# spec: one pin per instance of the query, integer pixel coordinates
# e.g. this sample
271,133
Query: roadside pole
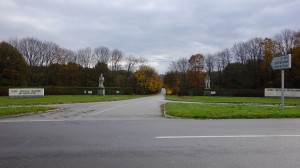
282,63
282,89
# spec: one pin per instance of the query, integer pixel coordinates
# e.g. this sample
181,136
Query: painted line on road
225,136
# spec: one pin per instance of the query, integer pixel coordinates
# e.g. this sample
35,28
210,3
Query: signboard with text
276,92
26,92
282,62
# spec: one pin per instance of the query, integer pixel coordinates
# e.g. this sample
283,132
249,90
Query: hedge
224,92
75,90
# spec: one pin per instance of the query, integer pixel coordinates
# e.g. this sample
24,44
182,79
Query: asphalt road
133,134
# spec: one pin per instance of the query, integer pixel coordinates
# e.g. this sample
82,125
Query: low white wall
276,92
26,92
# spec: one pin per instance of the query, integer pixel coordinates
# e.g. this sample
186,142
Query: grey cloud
161,30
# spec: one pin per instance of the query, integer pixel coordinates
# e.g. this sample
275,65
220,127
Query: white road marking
225,136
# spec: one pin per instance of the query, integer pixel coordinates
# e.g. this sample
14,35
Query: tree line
31,62
246,65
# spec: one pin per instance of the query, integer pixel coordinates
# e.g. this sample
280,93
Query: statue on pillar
101,90
207,82
101,81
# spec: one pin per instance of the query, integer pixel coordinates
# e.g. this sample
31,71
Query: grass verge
229,111
221,99
4,112
6,101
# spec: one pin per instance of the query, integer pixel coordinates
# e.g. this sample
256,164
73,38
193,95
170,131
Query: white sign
26,92
276,92
282,62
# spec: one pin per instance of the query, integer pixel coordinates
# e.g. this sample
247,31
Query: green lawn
21,110
220,99
229,111
6,101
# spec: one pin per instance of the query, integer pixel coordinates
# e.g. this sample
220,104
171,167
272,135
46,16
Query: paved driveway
141,108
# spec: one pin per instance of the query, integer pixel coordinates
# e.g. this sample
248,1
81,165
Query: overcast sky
160,30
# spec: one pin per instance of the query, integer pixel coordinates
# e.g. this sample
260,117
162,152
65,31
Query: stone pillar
101,91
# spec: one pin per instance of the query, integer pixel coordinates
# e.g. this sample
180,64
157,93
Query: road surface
133,134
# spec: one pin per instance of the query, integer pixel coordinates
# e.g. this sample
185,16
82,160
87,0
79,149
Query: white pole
282,88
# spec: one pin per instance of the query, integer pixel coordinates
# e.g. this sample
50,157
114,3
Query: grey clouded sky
160,30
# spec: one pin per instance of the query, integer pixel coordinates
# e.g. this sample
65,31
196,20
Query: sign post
282,88
282,63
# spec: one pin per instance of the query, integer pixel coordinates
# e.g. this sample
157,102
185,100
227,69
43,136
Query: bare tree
223,59
130,62
49,53
64,56
116,58
227,56
240,52
142,61
284,41
102,54
254,48
31,49
84,57
180,67
210,63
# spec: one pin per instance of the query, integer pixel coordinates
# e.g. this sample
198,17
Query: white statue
207,82
101,80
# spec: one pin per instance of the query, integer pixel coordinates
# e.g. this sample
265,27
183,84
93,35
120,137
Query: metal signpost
282,63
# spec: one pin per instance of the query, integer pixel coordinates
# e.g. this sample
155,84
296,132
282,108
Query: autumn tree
268,53
13,68
171,82
195,72
147,80
294,73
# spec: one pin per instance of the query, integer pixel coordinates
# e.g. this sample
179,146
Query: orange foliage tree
195,73
147,80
